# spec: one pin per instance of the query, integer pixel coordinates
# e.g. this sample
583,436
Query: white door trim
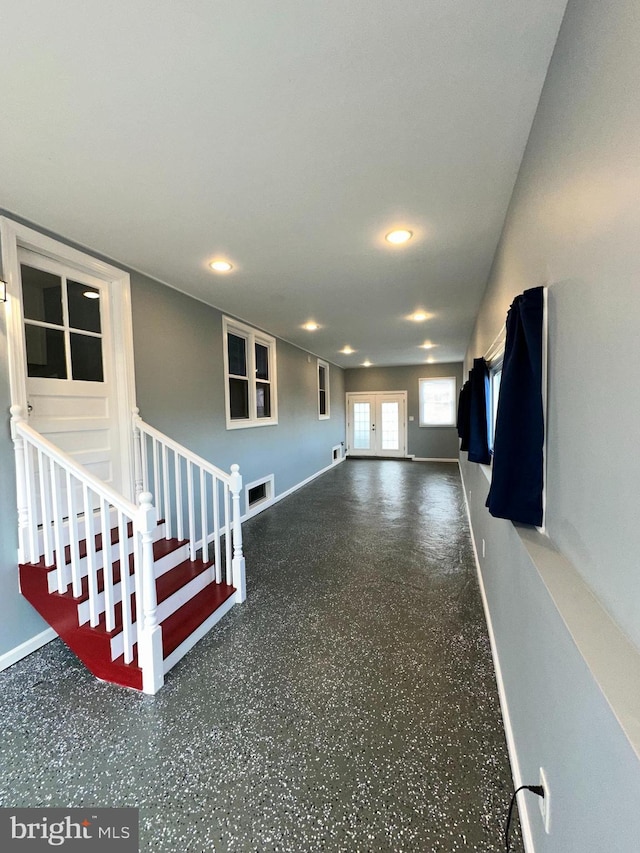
14,235
355,395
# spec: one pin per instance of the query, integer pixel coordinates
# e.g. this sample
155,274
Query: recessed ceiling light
419,316
366,363
311,326
427,345
399,236
347,350
91,294
221,266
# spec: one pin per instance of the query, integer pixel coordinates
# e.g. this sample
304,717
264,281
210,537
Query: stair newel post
149,629
137,454
21,485
237,562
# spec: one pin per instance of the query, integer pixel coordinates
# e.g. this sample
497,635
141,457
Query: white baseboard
432,459
24,649
274,500
523,802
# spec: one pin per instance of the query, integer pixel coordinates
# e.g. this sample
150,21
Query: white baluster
227,536
45,504
144,443
239,579
192,512
137,453
149,630
125,585
167,498
21,486
107,565
90,540
29,479
157,490
74,537
178,490
57,526
203,516
217,568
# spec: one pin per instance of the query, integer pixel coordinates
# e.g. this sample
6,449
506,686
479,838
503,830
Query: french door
376,424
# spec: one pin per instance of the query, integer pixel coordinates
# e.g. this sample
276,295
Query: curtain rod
496,343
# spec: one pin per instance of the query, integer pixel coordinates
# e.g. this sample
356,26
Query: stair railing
195,499
56,493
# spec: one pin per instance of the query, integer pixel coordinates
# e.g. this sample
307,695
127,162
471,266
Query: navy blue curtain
478,414
516,483
464,415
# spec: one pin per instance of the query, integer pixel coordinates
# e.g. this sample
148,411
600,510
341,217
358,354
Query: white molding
14,235
293,489
266,501
523,802
201,631
252,336
320,362
431,459
16,654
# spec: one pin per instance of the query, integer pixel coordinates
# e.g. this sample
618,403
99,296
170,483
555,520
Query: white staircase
129,594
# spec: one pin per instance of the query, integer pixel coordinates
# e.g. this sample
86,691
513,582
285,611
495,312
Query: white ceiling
288,137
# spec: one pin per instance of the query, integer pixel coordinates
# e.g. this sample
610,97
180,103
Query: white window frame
421,384
327,414
495,369
253,337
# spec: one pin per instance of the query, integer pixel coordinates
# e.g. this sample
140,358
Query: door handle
373,427
29,408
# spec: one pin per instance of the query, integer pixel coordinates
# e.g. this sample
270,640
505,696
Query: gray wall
574,222
424,442
180,390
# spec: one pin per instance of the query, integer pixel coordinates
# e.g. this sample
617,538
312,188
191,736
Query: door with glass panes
376,424
70,388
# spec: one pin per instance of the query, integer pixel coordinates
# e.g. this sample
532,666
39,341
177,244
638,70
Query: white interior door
71,398
376,424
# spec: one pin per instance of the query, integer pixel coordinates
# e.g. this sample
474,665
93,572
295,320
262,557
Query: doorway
71,350
377,424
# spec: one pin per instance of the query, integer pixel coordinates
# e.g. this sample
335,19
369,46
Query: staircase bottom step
182,624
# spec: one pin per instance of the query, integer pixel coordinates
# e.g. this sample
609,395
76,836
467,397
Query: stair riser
162,565
167,607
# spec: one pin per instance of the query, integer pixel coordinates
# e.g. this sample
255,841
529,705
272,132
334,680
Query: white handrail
193,495
69,464
179,448
38,460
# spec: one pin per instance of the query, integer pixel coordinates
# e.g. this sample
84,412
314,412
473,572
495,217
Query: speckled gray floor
349,705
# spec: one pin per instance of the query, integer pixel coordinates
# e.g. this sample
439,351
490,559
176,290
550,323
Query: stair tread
166,585
181,624
161,547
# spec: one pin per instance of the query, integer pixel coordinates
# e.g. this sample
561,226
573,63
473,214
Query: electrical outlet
483,549
545,802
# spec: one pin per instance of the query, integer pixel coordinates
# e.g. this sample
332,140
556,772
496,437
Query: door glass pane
361,426
41,295
84,306
237,350
263,400
45,352
390,426
86,358
238,399
262,362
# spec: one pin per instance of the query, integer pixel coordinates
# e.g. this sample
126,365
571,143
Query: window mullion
65,321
